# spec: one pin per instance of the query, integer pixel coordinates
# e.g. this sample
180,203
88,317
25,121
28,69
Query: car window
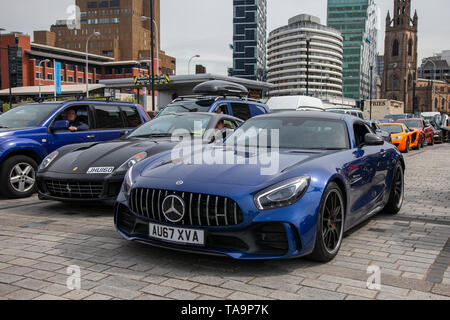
184,106
392,128
132,117
194,124
108,117
82,112
223,107
360,131
241,111
229,124
27,116
293,133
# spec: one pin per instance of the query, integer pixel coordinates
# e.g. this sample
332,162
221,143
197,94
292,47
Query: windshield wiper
2,127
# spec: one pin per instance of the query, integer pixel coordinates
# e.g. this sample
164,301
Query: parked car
396,117
426,131
217,96
402,137
290,103
95,171
374,125
30,132
354,112
333,174
386,120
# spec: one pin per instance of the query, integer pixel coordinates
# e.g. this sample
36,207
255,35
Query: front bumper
274,234
78,188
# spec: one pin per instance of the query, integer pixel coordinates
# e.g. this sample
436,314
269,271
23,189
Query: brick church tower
400,56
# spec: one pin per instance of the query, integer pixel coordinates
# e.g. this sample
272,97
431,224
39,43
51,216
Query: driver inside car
74,123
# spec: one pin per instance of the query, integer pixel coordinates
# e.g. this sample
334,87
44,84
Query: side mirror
60,125
124,133
371,139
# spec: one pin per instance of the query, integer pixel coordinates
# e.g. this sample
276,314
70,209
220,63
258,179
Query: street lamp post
189,63
435,70
144,18
370,94
96,34
414,93
40,75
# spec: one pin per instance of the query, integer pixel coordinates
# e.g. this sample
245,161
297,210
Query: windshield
187,106
296,133
27,116
195,124
391,128
395,117
412,123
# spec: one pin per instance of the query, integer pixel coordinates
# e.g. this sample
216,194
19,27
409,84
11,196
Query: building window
114,4
394,82
70,79
395,48
80,80
92,5
410,47
49,76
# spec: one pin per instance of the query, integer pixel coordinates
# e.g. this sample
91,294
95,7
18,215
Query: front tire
397,192
330,225
18,177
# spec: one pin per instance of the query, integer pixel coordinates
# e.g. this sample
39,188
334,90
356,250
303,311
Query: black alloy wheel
330,228
397,193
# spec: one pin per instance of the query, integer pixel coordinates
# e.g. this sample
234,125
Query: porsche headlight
396,138
49,159
282,194
132,161
128,182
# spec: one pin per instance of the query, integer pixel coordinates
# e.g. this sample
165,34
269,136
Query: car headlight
128,182
396,138
49,159
282,194
132,161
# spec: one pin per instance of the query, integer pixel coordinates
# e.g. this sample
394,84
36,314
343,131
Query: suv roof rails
197,97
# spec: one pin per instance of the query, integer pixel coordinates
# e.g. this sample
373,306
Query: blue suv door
64,137
109,122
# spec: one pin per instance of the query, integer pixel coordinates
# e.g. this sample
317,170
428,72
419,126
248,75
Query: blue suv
220,97
28,133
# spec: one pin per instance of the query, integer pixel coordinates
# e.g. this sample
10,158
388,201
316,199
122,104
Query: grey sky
204,27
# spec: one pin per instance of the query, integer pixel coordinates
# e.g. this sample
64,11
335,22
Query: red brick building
123,34
27,55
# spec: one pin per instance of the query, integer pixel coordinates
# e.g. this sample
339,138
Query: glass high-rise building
357,21
249,39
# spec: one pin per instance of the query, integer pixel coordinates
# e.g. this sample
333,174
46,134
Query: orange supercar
403,137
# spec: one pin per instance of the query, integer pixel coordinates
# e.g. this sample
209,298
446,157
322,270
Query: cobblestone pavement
39,240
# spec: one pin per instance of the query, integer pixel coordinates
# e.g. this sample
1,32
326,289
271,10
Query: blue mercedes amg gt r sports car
331,173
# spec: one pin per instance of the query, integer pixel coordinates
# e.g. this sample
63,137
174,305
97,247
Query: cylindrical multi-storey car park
288,59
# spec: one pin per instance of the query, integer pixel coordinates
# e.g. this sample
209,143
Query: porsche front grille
200,209
74,189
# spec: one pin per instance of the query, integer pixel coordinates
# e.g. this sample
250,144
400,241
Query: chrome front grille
200,209
74,189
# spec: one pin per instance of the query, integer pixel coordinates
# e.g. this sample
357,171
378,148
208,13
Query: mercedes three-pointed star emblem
173,208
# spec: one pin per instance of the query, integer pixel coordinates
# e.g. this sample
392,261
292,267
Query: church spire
388,19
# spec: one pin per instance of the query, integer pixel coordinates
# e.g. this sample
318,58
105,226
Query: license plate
177,235
100,170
